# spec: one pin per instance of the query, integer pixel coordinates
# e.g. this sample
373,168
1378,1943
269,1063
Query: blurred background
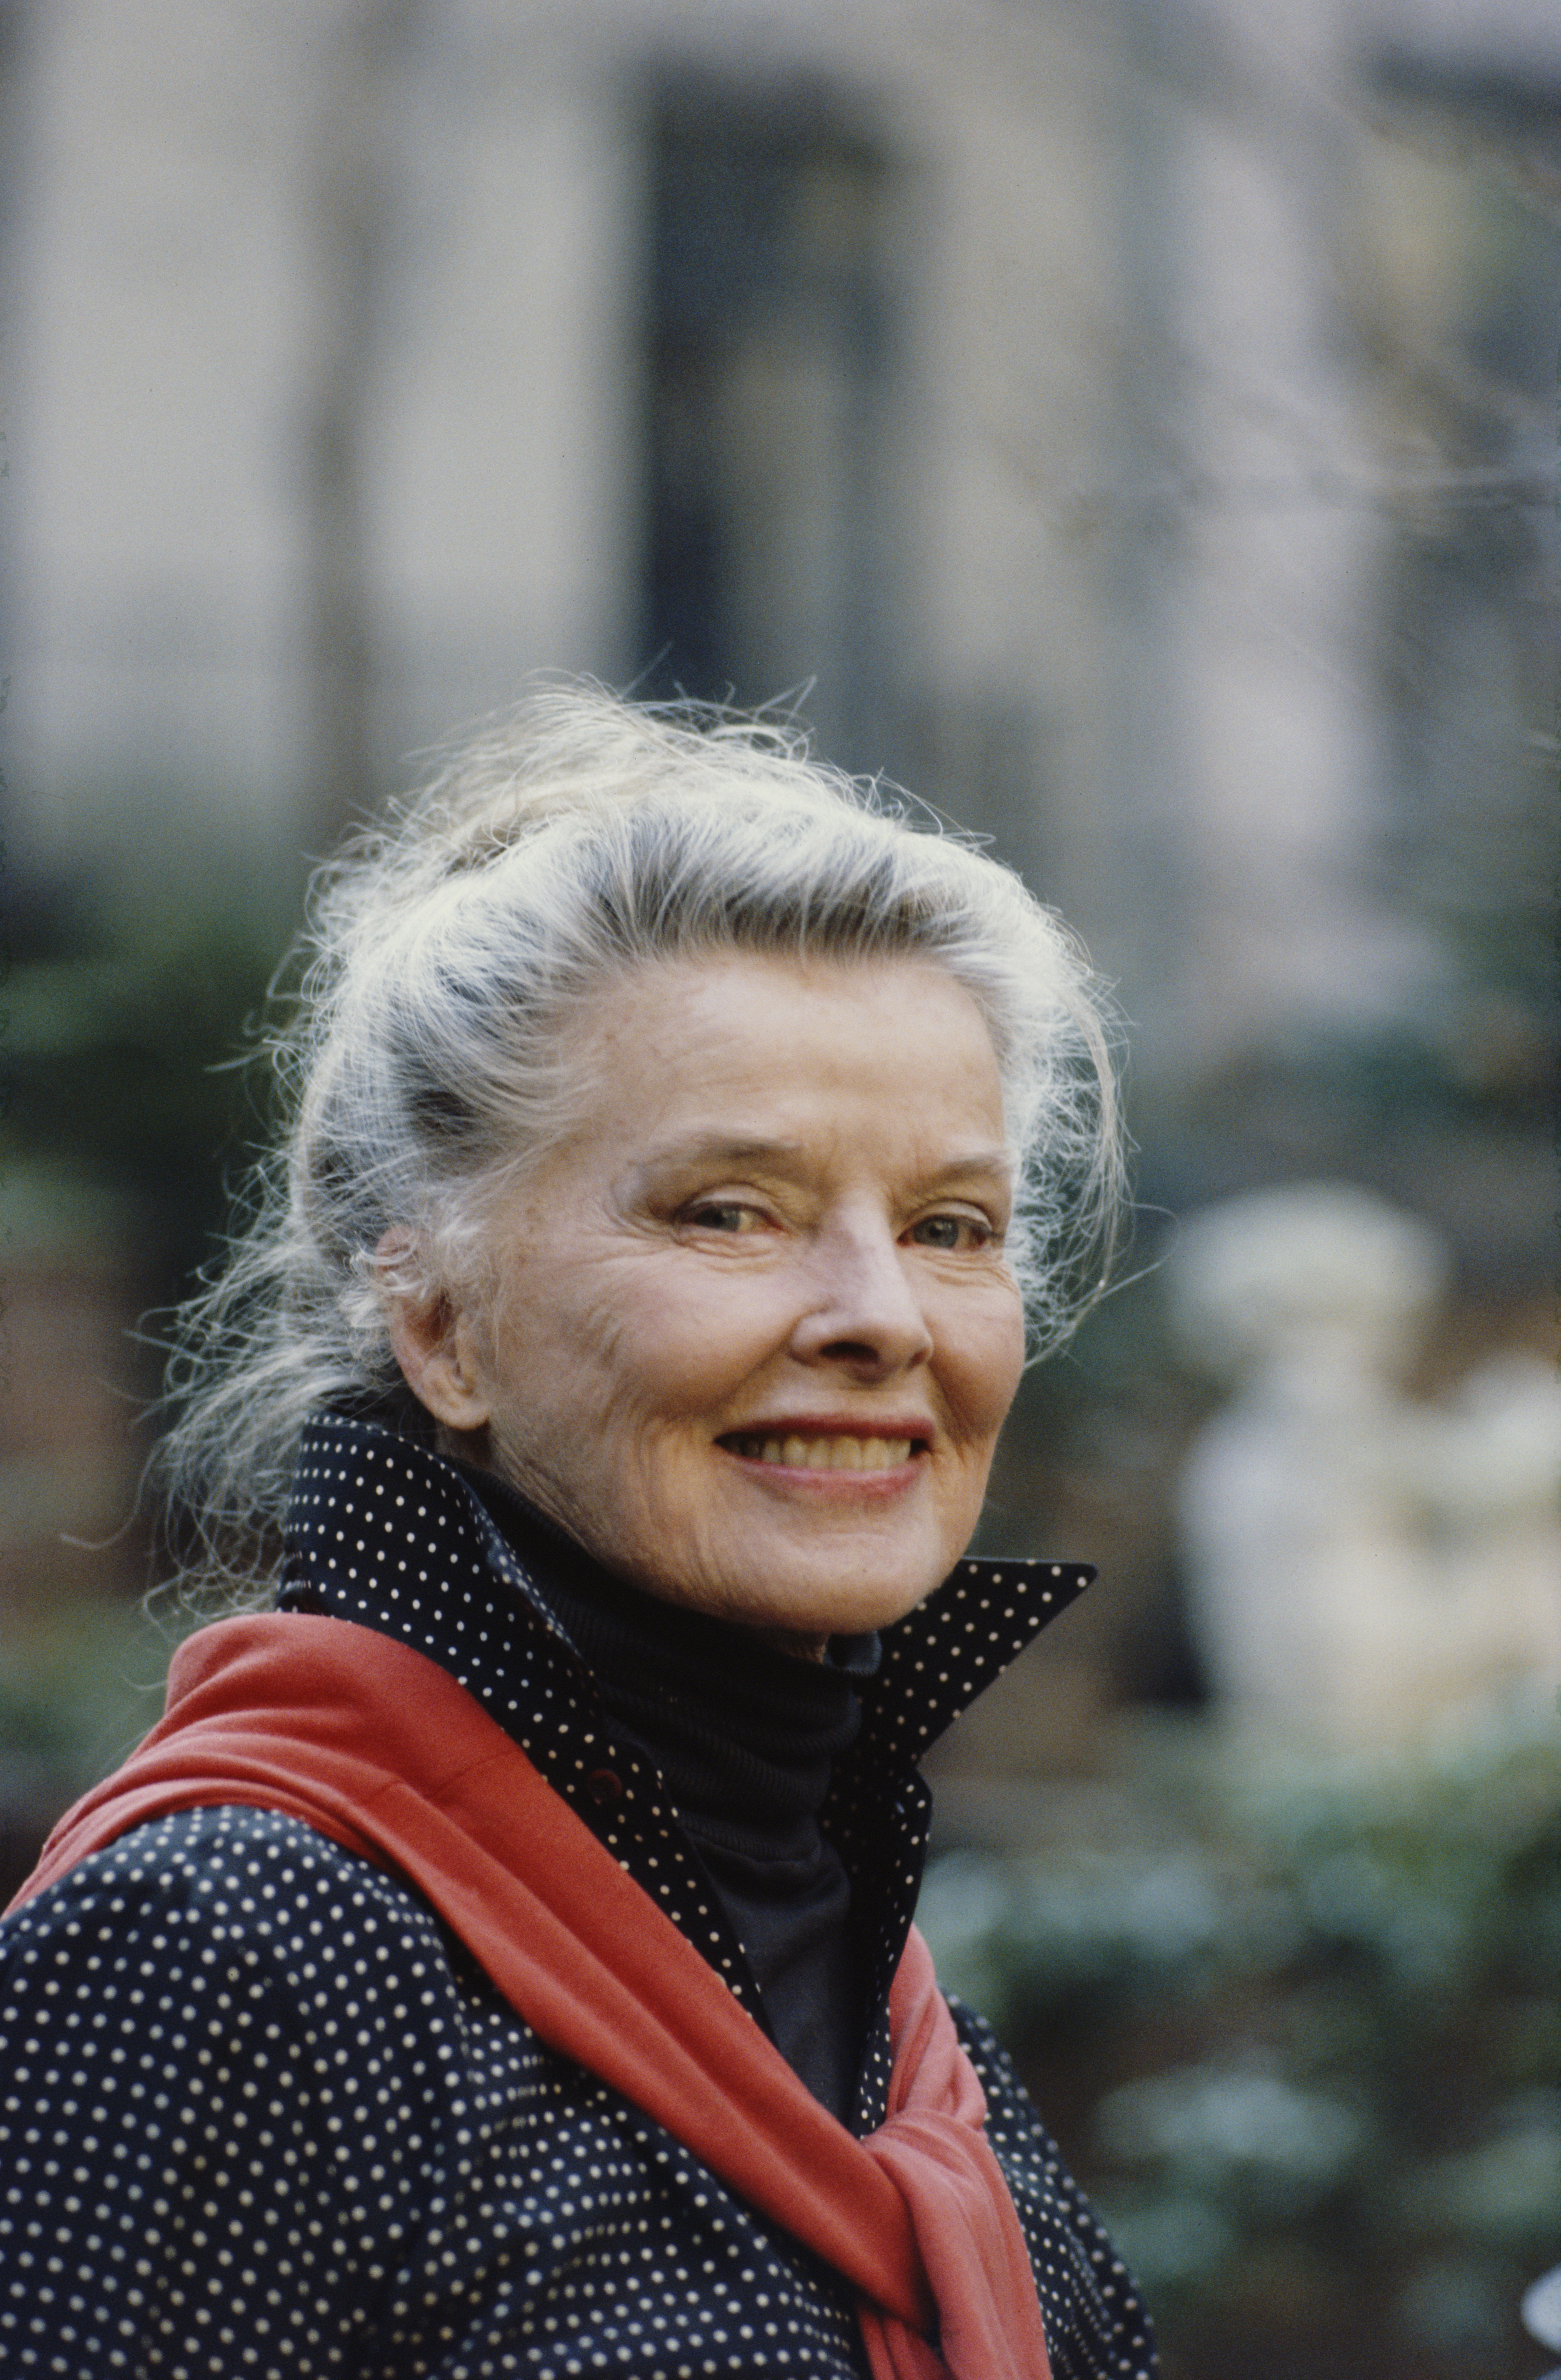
1134,427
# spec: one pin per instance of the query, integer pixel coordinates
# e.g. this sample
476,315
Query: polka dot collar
383,1525
383,1532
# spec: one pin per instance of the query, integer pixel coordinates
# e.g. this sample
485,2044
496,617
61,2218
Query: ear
435,1344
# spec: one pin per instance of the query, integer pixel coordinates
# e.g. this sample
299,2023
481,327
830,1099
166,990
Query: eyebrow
975,1160
722,1148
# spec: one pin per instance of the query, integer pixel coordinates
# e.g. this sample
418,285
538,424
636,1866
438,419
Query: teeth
827,1453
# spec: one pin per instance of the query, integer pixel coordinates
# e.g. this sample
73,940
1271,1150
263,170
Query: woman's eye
952,1232
724,1215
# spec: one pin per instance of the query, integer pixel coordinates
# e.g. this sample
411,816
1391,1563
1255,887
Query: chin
837,1608
811,1583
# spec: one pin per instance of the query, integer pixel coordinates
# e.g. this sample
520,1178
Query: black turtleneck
745,1736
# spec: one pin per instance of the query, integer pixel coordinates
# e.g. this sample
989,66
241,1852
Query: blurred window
768,354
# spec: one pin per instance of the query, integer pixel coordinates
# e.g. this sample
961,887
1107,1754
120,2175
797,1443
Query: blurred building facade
373,355
1002,377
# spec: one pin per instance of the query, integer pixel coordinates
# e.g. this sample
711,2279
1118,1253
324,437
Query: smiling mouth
825,1453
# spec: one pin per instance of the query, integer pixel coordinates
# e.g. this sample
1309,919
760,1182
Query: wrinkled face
754,1335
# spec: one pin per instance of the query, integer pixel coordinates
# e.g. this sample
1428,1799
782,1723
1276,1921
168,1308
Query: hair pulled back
426,1065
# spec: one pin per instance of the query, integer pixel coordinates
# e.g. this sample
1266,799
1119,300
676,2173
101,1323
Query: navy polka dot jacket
260,2115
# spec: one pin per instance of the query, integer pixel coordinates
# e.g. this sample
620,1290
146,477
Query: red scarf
374,1745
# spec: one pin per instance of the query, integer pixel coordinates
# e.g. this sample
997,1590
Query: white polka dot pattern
260,2115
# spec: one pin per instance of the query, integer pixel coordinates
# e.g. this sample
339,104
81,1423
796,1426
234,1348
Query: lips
823,1451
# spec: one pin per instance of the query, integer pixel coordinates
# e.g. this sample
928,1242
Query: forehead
739,1042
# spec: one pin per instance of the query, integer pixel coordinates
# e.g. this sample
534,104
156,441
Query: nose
862,1311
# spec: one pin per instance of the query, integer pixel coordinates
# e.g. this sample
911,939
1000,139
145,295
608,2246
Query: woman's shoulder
223,2027
199,1904
229,1867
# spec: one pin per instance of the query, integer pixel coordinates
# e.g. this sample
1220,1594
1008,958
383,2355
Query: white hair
426,1063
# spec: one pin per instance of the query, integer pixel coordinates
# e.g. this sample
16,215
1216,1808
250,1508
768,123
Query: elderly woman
499,1958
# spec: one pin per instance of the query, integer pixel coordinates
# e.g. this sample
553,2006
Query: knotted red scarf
372,1744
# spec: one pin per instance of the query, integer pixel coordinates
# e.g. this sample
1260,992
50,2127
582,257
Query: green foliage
1308,2013
124,1026
79,1687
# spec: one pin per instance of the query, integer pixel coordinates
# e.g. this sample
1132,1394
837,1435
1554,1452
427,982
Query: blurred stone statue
1360,1562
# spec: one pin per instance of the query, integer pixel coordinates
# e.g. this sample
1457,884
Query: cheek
688,1344
614,1381
556,1351
987,1362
